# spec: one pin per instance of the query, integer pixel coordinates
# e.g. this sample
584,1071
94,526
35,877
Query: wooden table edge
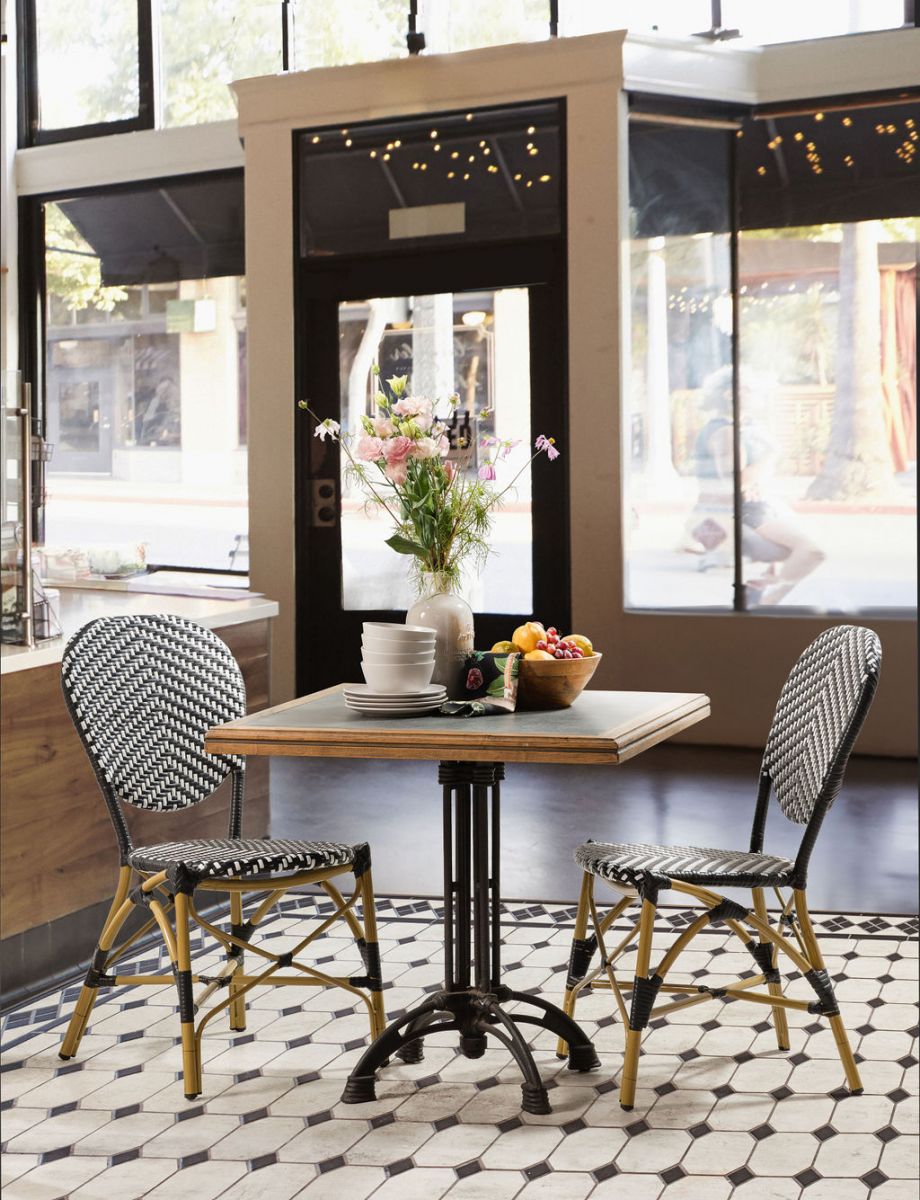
430,745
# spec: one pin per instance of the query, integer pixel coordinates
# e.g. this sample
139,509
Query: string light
373,154
466,175
519,176
848,160
348,141
531,129
533,151
472,158
469,116
451,174
761,170
455,153
433,134
386,158
424,166
848,121
799,136
315,138
437,146
545,178
819,116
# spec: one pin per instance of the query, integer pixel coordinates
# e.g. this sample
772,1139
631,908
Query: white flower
427,447
327,428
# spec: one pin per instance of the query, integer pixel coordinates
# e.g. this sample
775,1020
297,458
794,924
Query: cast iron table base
472,999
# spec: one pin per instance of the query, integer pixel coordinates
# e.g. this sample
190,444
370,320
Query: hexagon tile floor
719,1112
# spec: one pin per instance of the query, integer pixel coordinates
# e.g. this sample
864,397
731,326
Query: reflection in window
476,344
375,30
87,66
826,376
143,374
205,45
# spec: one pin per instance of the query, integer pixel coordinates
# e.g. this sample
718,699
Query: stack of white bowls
397,658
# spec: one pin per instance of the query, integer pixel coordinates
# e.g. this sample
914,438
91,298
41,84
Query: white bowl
394,646
391,629
397,660
395,679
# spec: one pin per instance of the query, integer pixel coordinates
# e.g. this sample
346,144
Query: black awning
164,232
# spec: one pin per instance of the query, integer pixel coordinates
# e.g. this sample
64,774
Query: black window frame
33,309
31,132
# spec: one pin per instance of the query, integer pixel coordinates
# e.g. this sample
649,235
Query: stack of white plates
397,659
363,699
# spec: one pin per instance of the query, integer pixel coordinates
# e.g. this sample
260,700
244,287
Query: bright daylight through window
145,362
823,388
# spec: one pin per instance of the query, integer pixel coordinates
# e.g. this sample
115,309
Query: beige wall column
270,332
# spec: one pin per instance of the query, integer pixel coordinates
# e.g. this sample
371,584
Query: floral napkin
490,682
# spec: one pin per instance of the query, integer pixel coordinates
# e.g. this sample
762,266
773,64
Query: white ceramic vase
451,618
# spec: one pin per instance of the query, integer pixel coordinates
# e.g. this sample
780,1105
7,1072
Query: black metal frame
471,1003
320,284
30,130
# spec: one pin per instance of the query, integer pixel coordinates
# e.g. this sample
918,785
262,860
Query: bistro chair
142,692
820,711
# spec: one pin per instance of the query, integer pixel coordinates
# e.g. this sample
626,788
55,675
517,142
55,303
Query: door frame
538,264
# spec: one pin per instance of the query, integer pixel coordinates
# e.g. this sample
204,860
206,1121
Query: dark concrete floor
865,859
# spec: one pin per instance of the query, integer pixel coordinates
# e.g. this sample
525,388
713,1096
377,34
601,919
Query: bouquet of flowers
400,459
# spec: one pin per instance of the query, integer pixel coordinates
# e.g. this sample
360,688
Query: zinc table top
600,727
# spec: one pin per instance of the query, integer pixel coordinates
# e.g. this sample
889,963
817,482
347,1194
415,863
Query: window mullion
148,61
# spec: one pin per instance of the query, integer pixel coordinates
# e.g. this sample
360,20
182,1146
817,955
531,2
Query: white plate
361,691
395,703
421,711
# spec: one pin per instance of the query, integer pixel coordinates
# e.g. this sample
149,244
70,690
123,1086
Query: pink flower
487,471
369,449
450,469
396,472
473,679
397,449
507,447
545,443
415,406
383,427
443,445
425,447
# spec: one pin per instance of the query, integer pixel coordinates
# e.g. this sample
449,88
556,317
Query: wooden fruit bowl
553,683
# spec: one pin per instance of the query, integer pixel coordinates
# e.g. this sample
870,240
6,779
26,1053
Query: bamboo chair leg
841,1038
372,954
774,986
237,1011
118,913
579,957
643,997
191,1062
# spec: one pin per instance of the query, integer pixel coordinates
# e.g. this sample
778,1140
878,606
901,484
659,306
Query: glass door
494,335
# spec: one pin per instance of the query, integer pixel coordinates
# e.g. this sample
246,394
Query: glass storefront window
375,30
145,375
205,45
792,21
476,344
825,378
86,66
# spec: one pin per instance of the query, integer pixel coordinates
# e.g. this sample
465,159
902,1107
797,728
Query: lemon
539,654
503,648
583,643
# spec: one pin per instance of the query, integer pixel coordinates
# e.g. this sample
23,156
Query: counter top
78,606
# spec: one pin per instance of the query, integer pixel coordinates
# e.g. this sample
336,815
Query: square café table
601,727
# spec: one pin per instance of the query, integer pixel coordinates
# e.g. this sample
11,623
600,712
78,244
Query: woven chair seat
635,864
234,858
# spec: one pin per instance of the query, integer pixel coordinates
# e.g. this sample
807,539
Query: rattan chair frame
169,898
791,936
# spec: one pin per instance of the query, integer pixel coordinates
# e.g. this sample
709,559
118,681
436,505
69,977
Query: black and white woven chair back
142,692
819,713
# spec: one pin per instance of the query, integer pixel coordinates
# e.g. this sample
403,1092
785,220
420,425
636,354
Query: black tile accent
886,1134
509,1124
382,1119
665,1089
319,1118
743,1057
689,1055
825,1133
672,1174
192,1160
537,1170
725,1089
700,1130
188,1114
125,1156
873,1179
399,1167
740,1176
473,1167
128,1111
483,1084
607,1171
54,1155
636,1128
331,1164
897,1095
64,1108
807,1177
264,1160
759,1132
446,1122
257,1114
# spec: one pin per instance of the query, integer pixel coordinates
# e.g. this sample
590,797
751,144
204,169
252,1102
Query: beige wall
739,660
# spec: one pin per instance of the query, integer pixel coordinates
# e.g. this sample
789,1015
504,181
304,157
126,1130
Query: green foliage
74,278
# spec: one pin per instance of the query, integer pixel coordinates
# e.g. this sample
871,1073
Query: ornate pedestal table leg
472,1000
